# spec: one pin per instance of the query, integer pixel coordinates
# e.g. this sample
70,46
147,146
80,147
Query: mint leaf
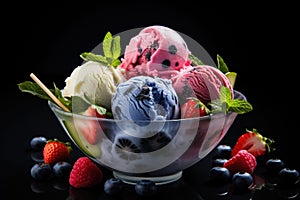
116,47
239,106
111,49
87,56
195,61
34,89
115,63
107,45
222,65
225,94
225,103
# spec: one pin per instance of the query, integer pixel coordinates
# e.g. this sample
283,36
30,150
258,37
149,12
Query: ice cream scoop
95,82
155,51
145,98
203,82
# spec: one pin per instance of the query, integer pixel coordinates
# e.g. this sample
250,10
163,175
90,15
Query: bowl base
159,180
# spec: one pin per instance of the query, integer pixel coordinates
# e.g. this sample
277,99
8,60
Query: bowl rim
56,108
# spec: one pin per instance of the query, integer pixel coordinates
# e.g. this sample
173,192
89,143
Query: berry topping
243,161
253,142
193,108
85,173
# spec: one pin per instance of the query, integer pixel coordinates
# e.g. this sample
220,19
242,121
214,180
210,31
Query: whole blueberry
145,188
38,142
223,151
219,162
274,165
113,186
288,176
219,175
241,181
41,171
62,169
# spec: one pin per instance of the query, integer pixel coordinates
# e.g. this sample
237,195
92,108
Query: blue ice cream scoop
145,98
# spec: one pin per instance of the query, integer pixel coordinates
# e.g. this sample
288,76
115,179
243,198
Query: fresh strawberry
243,161
55,151
90,127
193,108
253,142
85,173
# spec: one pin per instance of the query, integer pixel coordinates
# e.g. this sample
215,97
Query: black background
258,42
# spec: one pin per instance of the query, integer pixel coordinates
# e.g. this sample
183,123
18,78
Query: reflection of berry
243,161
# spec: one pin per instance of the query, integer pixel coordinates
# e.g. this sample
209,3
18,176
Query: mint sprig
111,49
195,60
225,103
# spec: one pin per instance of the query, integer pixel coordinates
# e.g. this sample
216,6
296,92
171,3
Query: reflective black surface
258,43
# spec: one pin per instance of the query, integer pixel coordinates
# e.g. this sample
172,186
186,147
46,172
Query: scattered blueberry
219,175
37,156
241,181
288,176
113,186
274,165
219,162
38,142
145,188
62,169
41,171
223,151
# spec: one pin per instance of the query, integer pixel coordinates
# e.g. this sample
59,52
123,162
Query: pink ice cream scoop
155,51
203,82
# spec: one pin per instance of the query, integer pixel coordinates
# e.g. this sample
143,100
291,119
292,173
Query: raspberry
85,173
243,161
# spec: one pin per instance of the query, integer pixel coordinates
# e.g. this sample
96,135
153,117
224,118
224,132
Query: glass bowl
135,150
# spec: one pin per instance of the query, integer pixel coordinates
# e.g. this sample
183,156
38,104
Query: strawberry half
89,127
193,107
253,142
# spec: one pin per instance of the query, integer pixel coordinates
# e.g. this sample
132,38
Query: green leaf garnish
111,49
195,61
222,65
225,103
34,89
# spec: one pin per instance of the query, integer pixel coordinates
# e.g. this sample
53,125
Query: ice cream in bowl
150,113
